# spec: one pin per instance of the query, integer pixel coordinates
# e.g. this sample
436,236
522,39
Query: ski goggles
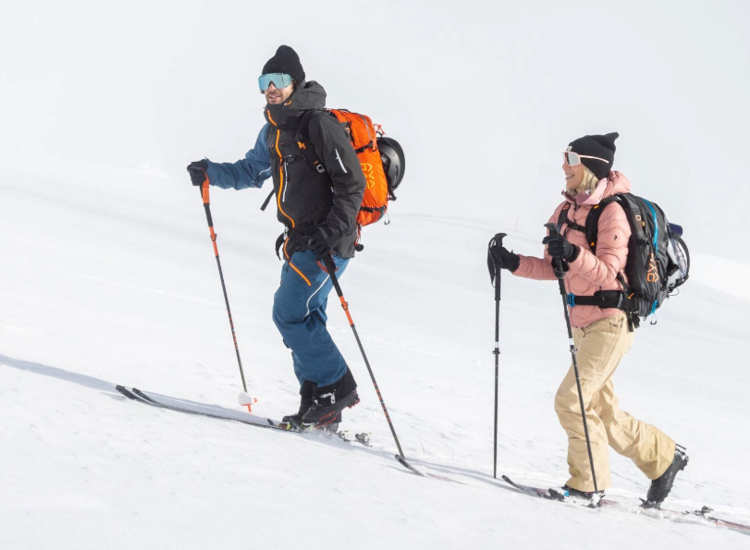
574,159
280,80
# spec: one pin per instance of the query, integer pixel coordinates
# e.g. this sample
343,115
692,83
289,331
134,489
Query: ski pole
207,206
496,240
561,267
328,261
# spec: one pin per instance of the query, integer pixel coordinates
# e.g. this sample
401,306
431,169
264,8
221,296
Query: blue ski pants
299,312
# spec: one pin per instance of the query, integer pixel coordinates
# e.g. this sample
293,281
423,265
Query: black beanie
597,146
285,61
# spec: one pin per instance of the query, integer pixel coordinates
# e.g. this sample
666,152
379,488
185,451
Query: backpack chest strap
564,220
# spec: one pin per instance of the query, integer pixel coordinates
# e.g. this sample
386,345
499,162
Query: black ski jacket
317,177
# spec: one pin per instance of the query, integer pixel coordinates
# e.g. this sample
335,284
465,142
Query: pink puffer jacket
589,272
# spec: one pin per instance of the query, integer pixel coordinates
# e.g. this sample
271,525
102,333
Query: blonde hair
588,183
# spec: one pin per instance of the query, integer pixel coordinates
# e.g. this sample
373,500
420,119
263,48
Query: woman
602,336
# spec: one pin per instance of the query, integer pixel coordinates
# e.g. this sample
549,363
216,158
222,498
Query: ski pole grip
204,190
559,265
552,228
207,208
497,240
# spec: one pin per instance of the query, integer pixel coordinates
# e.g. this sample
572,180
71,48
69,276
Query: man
318,187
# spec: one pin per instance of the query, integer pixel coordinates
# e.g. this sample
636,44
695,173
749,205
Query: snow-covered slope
110,278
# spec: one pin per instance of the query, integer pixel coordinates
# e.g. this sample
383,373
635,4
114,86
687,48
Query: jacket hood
307,96
616,183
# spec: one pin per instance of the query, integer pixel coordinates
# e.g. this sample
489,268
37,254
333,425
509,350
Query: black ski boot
329,401
294,421
661,486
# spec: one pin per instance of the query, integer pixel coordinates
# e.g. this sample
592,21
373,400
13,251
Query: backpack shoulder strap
563,217
591,228
303,130
637,207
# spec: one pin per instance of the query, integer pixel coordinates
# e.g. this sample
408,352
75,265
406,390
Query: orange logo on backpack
369,171
653,271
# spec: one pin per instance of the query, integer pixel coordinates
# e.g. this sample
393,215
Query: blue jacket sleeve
251,171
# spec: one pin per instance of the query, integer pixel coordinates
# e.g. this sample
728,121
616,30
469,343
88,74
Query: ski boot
329,401
661,486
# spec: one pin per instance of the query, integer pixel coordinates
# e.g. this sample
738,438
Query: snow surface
109,277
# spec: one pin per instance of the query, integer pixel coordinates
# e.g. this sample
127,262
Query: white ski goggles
574,159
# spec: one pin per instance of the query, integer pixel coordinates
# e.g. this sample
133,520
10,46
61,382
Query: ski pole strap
604,299
560,267
279,243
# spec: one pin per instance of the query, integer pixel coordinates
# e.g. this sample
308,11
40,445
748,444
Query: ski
137,395
733,525
127,393
656,513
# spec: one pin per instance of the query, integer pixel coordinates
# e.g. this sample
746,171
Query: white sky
483,95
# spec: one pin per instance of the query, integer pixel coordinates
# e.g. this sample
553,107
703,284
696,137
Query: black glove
559,247
318,244
301,239
503,257
295,242
197,171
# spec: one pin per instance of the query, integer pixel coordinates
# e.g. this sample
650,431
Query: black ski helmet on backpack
394,162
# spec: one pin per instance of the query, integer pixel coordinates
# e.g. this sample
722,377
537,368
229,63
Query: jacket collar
616,183
308,96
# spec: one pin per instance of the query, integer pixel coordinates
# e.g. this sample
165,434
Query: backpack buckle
571,299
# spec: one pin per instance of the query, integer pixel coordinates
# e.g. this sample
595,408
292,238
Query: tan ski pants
601,346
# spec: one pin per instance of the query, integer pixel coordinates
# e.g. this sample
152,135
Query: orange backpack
382,179
364,136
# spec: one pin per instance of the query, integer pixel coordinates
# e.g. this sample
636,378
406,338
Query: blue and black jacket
317,177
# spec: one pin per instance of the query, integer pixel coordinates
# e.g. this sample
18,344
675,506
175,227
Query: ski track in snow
106,285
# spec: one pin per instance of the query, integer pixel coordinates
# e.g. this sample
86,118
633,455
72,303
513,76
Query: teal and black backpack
658,259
